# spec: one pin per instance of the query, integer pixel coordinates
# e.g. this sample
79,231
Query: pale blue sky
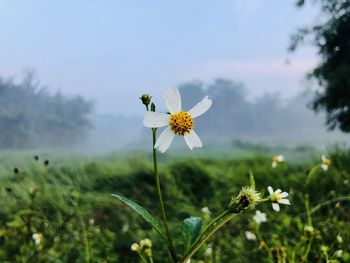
113,51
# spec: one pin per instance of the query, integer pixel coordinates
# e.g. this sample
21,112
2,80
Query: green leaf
252,180
191,228
142,212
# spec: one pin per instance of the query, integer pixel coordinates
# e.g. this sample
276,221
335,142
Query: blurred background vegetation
61,160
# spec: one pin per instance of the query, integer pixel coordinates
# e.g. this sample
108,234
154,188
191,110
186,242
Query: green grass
60,200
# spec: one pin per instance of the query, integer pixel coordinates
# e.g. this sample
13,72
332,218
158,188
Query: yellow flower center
275,159
278,197
181,123
327,162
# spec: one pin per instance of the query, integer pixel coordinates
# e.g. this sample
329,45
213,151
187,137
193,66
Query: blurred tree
30,117
332,39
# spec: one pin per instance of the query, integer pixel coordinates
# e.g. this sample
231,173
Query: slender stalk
161,204
308,210
309,221
222,220
337,199
143,259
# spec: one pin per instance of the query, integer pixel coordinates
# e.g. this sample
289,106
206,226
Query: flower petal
201,107
275,207
164,140
284,201
193,140
284,194
324,167
155,119
172,100
270,189
274,164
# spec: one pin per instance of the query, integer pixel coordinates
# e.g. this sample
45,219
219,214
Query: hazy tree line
234,115
31,117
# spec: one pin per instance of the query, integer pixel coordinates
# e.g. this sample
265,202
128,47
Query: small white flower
209,251
135,247
37,237
125,228
339,239
325,163
91,221
205,210
249,235
259,217
178,122
278,197
146,243
276,160
338,253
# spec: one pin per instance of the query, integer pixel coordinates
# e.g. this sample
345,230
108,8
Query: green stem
308,210
222,220
309,221
337,199
142,258
161,204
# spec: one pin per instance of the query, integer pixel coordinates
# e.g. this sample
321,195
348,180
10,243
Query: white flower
135,247
37,237
209,251
338,253
178,122
278,197
259,217
325,163
205,210
249,235
276,160
339,239
146,243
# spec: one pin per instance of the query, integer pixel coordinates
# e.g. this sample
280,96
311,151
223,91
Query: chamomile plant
194,234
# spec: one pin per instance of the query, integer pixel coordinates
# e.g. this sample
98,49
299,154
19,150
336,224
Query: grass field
68,205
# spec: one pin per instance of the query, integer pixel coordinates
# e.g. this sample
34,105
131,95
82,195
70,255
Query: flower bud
248,197
146,243
309,231
135,247
146,99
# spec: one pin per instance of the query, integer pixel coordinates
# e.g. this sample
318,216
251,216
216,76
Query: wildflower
146,246
249,235
248,197
146,99
338,253
205,210
91,221
146,243
37,237
278,197
125,228
135,247
259,217
209,251
325,163
276,160
178,122
339,239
